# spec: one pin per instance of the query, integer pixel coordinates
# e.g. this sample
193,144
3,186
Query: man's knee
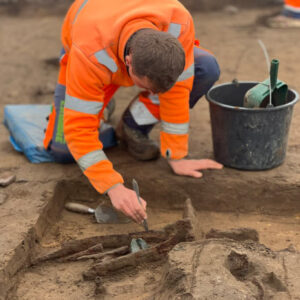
207,72
207,68
60,153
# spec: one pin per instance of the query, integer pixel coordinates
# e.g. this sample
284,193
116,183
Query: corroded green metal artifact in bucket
259,95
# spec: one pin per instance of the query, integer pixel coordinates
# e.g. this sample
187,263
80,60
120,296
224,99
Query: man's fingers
133,215
207,164
144,204
126,201
137,218
138,211
195,174
129,213
142,214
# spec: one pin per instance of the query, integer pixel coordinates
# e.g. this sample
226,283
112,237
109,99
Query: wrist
177,159
113,189
174,161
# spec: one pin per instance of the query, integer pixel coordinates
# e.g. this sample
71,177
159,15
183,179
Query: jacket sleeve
83,105
174,104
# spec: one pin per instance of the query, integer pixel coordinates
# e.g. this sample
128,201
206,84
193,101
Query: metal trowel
137,191
103,213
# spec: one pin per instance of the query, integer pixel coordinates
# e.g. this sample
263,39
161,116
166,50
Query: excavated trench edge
24,251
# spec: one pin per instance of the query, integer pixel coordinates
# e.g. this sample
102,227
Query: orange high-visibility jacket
94,36
293,3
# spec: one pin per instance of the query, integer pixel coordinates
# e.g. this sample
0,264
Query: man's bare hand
191,167
126,201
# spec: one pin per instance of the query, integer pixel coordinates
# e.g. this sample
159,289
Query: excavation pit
63,249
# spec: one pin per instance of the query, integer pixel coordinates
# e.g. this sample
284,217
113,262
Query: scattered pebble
6,180
230,9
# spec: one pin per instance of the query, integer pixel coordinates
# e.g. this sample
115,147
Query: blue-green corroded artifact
138,245
259,95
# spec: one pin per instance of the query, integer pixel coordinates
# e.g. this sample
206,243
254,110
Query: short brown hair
157,55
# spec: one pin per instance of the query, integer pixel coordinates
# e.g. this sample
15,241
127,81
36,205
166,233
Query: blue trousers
207,72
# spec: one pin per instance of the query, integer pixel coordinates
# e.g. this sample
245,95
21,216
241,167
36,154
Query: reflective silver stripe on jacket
141,114
175,128
188,73
104,59
80,8
292,8
174,29
61,58
84,106
154,99
90,159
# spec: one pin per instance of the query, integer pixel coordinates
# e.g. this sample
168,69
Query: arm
83,103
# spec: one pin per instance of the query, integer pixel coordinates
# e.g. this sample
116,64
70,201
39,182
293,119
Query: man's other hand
191,167
126,201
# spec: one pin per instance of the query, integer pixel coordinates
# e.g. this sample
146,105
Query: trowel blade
107,215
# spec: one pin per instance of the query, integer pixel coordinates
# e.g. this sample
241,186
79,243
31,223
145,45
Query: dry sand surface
33,220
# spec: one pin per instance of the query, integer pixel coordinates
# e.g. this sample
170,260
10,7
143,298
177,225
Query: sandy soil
267,201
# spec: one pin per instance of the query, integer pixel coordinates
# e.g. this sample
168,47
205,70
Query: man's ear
128,60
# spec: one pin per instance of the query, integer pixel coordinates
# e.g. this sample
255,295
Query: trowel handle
274,73
76,207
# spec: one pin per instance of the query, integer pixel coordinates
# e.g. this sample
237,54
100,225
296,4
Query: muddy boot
139,145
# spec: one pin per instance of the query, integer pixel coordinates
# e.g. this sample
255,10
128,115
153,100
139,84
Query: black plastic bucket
248,138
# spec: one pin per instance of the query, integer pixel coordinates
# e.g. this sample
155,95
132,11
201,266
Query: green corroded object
138,245
258,96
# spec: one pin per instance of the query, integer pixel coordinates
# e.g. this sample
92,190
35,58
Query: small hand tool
103,214
137,191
